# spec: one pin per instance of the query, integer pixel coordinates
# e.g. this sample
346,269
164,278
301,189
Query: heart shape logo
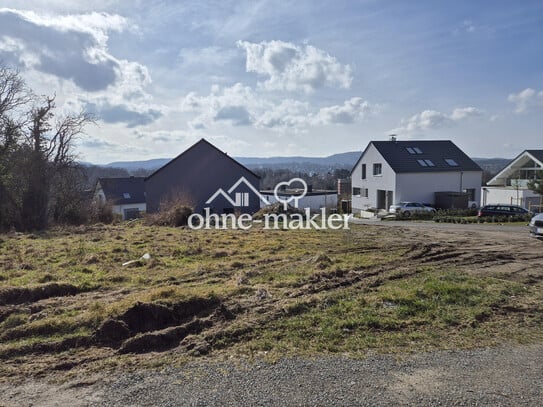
285,200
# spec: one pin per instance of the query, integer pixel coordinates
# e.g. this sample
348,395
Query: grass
325,291
432,309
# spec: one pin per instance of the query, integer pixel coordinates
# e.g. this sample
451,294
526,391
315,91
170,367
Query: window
364,192
451,162
363,171
413,150
126,195
377,169
356,191
426,163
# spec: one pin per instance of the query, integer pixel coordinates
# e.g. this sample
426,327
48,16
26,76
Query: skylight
426,163
451,162
413,150
126,195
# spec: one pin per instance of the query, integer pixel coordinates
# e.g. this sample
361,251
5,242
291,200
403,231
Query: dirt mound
163,340
20,295
145,317
146,327
112,332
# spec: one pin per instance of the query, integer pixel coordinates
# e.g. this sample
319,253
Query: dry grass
278,293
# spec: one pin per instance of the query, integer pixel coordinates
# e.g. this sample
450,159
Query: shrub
173,212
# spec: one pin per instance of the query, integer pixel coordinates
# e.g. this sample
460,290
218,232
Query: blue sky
265,78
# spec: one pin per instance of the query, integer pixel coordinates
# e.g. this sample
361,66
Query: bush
457,212
102,213
416,216
172,213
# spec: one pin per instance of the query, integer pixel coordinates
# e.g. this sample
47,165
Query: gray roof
424,156
537,154
209,145
116,188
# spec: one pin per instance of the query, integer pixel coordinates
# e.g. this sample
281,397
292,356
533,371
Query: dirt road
505,376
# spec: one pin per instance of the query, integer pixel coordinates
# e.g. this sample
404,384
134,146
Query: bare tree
36,152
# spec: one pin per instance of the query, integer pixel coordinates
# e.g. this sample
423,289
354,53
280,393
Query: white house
125,195
393,171
510,185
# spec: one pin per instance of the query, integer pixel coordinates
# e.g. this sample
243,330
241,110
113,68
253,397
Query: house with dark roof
125,195
204,177
389,172
510,185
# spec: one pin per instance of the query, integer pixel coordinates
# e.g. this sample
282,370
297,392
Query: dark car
502,210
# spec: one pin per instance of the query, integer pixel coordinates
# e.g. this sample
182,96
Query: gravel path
505,376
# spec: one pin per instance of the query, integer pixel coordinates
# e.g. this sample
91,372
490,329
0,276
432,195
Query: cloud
351,110
293,68
241,106
464,112
288,113
525,99
93,142
432,120
72,47
132,116
238,115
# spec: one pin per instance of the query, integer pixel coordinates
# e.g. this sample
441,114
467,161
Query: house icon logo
237,199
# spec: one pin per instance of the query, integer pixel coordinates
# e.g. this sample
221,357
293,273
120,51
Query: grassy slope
292,292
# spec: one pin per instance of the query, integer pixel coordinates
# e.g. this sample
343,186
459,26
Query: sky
279,78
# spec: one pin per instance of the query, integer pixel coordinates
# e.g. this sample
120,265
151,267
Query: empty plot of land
69,309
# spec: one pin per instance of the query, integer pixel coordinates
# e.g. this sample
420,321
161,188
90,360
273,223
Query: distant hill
298,163
342,160
492,165
136,165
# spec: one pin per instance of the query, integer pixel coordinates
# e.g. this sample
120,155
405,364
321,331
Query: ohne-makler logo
300,218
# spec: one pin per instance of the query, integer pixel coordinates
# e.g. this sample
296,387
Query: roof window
451,162
426,163
413,150
126,195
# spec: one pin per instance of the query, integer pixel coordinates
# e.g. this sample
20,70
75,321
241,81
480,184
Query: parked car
502,210
407,208
536,226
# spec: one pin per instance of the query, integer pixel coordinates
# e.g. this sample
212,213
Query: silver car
536,226
407,208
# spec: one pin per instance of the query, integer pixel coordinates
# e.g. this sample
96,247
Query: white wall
386,181
421,187
505,195
314,202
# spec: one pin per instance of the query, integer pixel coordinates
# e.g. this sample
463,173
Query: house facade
125,195
510,185
389,172
204,177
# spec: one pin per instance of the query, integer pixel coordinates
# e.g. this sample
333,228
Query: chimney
393,137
